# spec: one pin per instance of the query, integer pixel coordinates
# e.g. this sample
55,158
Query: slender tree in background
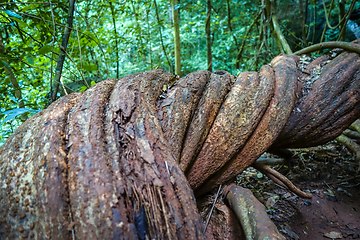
116,39
344,18
161,36
208,37
64,43
12,77
229,21
275,27
175,12
149,37
303,27
242,47
341,16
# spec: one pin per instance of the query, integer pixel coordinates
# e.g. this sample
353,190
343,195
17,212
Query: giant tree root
96,164
110,162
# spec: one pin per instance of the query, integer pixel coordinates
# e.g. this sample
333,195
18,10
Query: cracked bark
110,162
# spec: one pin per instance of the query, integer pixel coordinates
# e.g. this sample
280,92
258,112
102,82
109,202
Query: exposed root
355,126
351,145
251,214
351,134
271,161
271,173
344,45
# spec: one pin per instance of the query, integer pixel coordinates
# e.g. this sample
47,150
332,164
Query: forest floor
330,173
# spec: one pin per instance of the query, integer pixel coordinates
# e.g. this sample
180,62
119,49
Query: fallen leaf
333,235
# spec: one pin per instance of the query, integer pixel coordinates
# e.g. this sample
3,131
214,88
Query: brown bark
108,162
203,118
251,214
34,173
223,224
104,169
261,134
175,111
326,111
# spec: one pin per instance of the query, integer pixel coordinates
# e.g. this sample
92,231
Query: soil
330,173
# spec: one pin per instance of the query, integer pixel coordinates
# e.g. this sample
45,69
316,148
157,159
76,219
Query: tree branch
65,40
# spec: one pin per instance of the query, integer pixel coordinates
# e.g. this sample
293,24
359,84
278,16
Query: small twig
212,208
327,185
346,179
52,47
167,168
79,70
78,38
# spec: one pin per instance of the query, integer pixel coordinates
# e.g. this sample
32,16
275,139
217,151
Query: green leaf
12,114
3,63
83,88
30,59
93,83
12,14
45,49
90,67
21,22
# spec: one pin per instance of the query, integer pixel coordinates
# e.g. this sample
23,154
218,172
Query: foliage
128,40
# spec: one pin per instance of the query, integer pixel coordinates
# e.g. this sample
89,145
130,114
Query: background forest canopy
111,39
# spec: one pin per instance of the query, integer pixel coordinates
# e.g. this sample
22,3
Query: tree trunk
279,36
64,43
104,170
229,22
242,47
116,38
161,37
208,36
13,79
341,16
175,11
303,21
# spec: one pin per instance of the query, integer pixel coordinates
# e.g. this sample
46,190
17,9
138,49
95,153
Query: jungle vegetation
52,48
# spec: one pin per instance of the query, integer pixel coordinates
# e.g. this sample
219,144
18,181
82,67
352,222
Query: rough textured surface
270,125
110,162
204,116
327,110
238,117
223,224
96,165
34,200
176,111
251,214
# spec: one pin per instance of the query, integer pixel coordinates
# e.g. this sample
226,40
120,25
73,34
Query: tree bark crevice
109,162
